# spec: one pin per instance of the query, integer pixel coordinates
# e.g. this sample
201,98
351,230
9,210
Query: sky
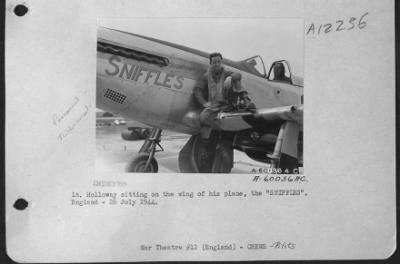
236,38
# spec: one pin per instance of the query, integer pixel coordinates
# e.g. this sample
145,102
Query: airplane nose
110,96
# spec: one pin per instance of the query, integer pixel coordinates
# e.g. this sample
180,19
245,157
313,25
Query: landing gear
285,155
145,161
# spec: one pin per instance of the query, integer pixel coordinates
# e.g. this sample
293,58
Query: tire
138,164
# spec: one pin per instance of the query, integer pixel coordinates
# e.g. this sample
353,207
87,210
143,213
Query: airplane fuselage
152,82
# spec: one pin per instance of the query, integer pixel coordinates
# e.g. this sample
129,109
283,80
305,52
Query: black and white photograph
199,130
202,95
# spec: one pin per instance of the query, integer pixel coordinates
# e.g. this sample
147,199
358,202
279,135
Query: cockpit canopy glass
256,65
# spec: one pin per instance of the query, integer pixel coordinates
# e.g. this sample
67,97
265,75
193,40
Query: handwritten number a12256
340,25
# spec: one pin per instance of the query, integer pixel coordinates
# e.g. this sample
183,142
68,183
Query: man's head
216,62
279,70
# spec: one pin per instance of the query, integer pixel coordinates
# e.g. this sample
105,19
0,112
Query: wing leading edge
288,113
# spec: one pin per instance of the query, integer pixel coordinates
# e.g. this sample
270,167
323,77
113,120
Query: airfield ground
113,152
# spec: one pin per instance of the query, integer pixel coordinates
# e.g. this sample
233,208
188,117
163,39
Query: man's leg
204,151
223,158
205,128
207,122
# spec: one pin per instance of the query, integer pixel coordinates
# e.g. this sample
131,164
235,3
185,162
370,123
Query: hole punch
20,204
20,10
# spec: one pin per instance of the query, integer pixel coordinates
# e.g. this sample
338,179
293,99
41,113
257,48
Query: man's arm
201,84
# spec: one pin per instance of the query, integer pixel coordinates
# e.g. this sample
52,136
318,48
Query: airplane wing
289,113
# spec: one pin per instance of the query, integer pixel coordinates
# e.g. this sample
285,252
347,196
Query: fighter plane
152,81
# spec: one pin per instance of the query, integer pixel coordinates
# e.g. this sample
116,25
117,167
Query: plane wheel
138,164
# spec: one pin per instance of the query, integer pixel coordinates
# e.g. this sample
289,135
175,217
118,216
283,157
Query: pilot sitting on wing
219,90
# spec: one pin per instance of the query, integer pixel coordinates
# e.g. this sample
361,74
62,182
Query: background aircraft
134,131
152,81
